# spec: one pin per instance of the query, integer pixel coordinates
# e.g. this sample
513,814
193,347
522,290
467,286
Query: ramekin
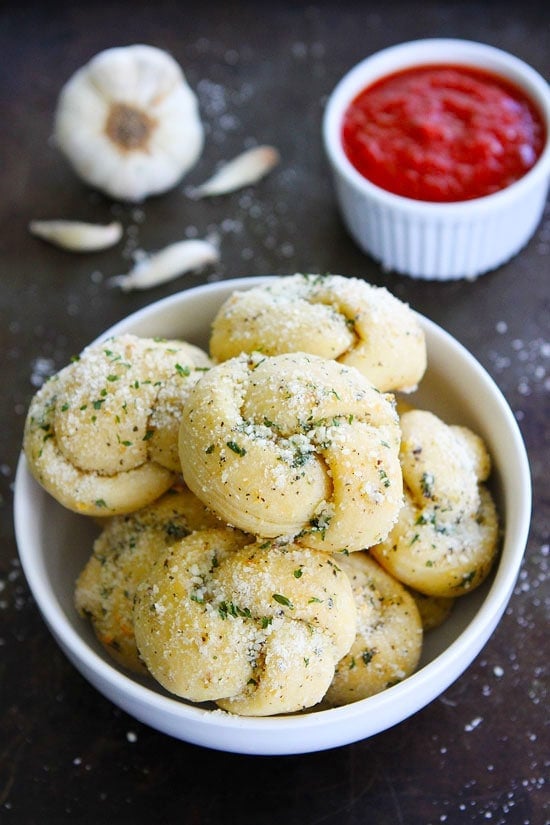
438,241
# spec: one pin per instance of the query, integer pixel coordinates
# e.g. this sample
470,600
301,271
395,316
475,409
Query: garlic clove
129,123
77,236
247,168
169,263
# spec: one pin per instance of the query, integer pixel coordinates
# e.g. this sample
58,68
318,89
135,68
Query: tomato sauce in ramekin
442,133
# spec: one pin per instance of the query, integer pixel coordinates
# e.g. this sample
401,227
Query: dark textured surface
262,73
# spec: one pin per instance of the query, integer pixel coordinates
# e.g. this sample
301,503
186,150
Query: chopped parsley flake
384,478
467,579
236,448
226,609
176,531
427,485
367,656
283,600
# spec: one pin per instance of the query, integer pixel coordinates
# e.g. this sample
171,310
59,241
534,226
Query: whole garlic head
129,123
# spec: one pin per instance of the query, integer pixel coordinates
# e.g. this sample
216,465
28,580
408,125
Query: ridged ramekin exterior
437,241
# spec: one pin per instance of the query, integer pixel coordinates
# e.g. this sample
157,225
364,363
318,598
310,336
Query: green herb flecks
226,609
467,579
367,656
384,478
236,448
280,599
176,531
427,485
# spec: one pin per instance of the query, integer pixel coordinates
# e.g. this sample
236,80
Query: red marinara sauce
442,133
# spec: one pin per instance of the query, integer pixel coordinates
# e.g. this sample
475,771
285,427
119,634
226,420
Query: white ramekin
437,241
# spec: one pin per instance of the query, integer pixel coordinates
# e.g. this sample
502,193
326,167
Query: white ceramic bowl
437,241
54,545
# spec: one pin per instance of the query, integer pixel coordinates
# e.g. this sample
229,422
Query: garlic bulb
129,123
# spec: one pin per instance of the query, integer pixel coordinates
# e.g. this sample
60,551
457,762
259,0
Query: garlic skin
129,123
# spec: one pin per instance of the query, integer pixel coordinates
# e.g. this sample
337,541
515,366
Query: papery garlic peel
129,123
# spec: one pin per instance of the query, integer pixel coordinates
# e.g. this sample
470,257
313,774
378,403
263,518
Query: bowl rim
430,51
279,735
